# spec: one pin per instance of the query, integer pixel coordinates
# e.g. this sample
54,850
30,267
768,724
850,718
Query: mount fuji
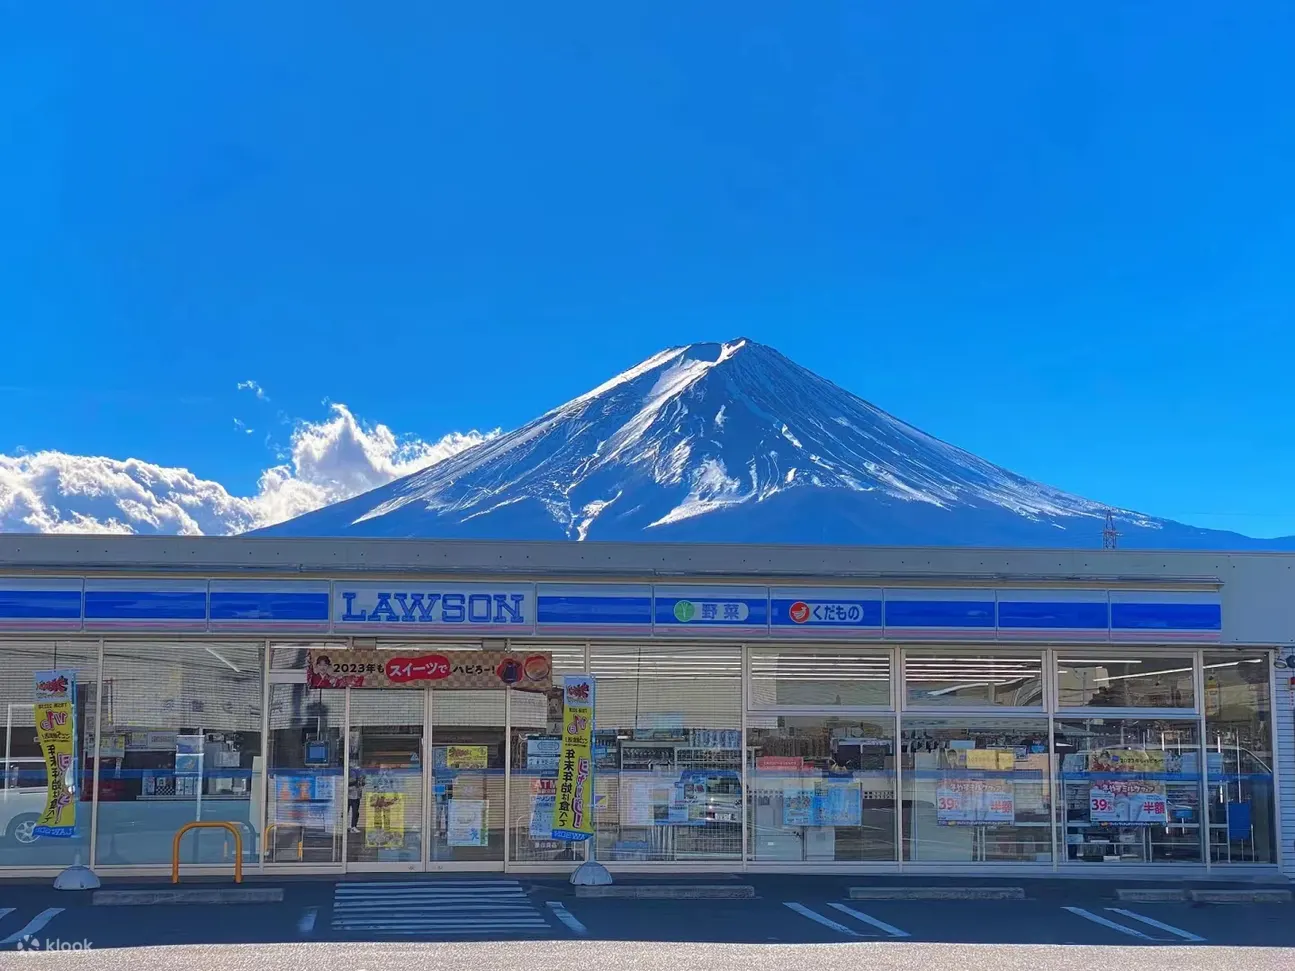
735,443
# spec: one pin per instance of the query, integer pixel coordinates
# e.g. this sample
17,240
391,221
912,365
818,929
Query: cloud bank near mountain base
327,461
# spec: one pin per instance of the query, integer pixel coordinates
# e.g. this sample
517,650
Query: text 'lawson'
433,608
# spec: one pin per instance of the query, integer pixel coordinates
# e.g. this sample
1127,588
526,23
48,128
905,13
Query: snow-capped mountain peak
729,442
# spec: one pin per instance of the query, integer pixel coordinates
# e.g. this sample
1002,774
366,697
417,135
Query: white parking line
1099,919
1178,931
825,921
568,918
879,924
33,925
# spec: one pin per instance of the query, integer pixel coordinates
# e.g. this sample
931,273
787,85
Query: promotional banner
1131,802
573,817
964,802
462,670
55,714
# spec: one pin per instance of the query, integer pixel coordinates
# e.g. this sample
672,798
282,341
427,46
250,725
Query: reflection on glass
305,793
291,655
791,678
1110,681
1131,790
23,779
468,775
384,790
976,790
1239,754
180,741
536,739
821,788
940,680
668,752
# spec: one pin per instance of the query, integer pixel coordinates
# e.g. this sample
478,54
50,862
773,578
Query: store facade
1004,709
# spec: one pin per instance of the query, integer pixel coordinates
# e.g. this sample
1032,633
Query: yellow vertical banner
573,815
55,714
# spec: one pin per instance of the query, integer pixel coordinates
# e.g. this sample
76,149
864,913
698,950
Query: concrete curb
681,891
1150,895
193,895
1241,896
937,893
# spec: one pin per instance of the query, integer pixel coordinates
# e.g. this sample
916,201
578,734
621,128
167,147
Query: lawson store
395,705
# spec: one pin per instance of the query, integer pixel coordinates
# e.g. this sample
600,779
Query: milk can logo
30,944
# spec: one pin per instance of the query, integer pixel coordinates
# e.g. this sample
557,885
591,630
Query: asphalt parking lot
783,911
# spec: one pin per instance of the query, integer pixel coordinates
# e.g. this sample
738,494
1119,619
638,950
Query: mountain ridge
733,441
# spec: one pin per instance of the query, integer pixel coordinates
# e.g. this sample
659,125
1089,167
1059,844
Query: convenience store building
758,708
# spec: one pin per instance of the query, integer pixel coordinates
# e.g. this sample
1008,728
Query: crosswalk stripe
438,930
33,925
353,884
437,908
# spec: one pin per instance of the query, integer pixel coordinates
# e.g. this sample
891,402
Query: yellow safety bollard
238,847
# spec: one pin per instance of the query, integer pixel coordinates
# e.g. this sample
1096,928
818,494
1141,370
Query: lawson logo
431,607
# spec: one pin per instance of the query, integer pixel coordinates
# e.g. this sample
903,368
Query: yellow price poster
466,756
384,820
573,816
55,714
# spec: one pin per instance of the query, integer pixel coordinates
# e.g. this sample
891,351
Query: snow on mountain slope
732,442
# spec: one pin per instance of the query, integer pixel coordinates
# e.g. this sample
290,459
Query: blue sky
1060,238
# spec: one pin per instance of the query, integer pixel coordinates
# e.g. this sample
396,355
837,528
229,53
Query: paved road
366,924
565,955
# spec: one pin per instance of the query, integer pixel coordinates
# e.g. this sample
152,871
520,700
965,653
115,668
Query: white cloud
330,460
255,388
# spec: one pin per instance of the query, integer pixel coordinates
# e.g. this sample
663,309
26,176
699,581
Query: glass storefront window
668,752
24,784
1111,680
181,741
942,680
821,788
305,793
1130,788
976,790
791,678
1239,757
536,740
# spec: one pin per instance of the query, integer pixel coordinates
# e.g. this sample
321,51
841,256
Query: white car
22,800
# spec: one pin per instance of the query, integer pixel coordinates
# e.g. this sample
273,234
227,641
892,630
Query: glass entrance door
426,779
385,782
468,779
